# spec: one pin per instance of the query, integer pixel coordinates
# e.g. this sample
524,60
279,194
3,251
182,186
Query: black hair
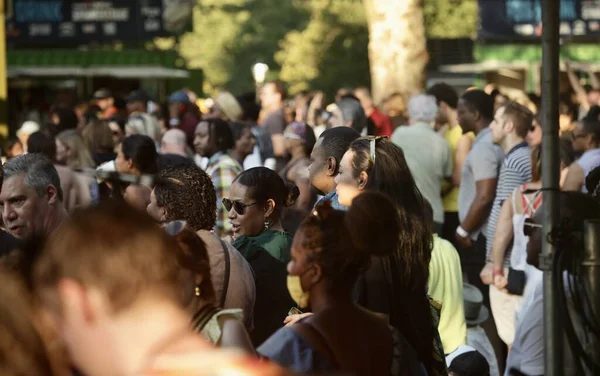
251,109
142,151
264,184
480,101
67,119
187,193
336,142
592,182
591,123
237,130
343,242
444,93
428,212
219,131
39,142
9,144
309,140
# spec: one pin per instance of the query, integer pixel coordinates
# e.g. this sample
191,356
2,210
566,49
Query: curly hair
187,193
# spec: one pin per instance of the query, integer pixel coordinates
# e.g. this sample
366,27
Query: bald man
173,148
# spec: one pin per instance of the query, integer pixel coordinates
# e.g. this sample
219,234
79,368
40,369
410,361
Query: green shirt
277,243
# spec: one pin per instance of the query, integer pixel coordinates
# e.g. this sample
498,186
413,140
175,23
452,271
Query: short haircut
142,151
336,141
422,107
112,247
219,131
353,112
279,88
480,101
364,90
521,117
38,170
175,136
187,193
41,143
444,93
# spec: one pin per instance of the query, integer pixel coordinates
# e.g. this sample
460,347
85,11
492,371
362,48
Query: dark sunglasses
529,225
238,206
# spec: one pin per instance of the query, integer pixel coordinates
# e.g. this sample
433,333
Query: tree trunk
397,47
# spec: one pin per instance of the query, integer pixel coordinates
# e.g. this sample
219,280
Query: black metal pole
550,179
591,270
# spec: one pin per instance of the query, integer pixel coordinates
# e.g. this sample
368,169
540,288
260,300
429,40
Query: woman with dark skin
396,285
258,197
330,250
244,141
137,156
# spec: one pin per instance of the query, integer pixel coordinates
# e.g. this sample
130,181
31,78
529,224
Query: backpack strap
227,272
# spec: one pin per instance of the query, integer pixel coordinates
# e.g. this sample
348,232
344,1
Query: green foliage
331,51
316,44
450,18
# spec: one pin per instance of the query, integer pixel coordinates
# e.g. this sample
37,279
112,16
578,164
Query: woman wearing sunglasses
255,206
396,284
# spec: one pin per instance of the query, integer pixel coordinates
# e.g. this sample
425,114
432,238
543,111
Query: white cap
459,351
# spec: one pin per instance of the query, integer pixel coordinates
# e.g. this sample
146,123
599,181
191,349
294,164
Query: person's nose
231,214
8,214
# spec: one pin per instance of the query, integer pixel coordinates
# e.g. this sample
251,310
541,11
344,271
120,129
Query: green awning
124,64
526,53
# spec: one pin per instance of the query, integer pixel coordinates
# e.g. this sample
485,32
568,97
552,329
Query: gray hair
422,107
353,112
38,170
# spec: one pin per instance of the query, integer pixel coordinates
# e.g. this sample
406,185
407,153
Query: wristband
462,232
498,272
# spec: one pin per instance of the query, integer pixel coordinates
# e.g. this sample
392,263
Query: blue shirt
333,197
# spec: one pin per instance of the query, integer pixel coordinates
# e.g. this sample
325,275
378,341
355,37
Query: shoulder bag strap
203,316
227,273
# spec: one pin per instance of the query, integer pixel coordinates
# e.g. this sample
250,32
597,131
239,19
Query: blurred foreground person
22,349
330,250
31,198
586,140
186,193
111,281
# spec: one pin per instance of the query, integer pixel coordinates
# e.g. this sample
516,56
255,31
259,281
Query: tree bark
397,47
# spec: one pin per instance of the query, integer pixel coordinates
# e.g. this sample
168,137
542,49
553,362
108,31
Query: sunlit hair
407,268
521,116
114,248
79,155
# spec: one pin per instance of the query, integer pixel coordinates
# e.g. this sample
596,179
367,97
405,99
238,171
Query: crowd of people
291,236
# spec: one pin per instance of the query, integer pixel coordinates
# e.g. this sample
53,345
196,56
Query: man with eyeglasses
586,139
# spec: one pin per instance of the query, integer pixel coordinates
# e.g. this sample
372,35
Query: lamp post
259,73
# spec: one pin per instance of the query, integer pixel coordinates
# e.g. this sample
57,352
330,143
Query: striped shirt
515,171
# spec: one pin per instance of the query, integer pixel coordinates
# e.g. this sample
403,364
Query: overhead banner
68,21
522,19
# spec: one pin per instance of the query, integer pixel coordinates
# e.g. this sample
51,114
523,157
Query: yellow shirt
446,286
452,135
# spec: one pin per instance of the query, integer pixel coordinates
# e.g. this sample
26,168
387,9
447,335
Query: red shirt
382,122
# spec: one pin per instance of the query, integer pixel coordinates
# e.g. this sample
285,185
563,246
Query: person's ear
318,273
269,208
52,194
129,163
363,179
78,302
331,166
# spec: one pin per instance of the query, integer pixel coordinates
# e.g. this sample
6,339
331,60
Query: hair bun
374,224
293,192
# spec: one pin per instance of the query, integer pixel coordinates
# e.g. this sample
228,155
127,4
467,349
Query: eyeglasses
372,145
238,206
529,225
